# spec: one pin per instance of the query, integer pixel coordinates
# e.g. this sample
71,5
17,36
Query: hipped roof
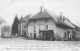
25,18
56,18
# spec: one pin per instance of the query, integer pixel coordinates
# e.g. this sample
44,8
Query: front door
47,36
34,35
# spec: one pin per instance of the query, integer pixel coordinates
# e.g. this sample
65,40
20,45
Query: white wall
40,25
30,30
21,27
59,32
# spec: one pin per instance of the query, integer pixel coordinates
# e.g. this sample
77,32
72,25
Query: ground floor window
31,35
46,26
24,33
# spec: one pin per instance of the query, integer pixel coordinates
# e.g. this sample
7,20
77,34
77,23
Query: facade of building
48,26
22,29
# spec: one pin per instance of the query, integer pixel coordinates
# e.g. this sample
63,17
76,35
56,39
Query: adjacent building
22,29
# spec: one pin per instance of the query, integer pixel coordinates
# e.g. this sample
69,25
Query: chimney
61,16
41,9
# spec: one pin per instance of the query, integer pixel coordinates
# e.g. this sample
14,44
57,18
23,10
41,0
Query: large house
46,25
49,26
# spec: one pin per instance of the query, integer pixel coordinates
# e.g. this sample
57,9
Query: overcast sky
10,8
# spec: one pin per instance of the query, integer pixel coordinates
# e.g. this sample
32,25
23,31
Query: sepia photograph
39,25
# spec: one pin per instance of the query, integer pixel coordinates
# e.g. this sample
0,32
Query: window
46,20
34,21
46,26
34,30
24,26
31,35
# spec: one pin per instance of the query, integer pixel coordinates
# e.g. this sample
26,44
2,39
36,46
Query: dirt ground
21,44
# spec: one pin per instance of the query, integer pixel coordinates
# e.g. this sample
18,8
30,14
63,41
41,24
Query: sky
10,8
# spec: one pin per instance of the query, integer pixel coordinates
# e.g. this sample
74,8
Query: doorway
47,35
34,35
24,34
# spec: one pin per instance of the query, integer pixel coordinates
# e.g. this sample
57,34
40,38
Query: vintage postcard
39,25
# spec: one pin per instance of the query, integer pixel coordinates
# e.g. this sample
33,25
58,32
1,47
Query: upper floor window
46,26
46,20
24,26
34,21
